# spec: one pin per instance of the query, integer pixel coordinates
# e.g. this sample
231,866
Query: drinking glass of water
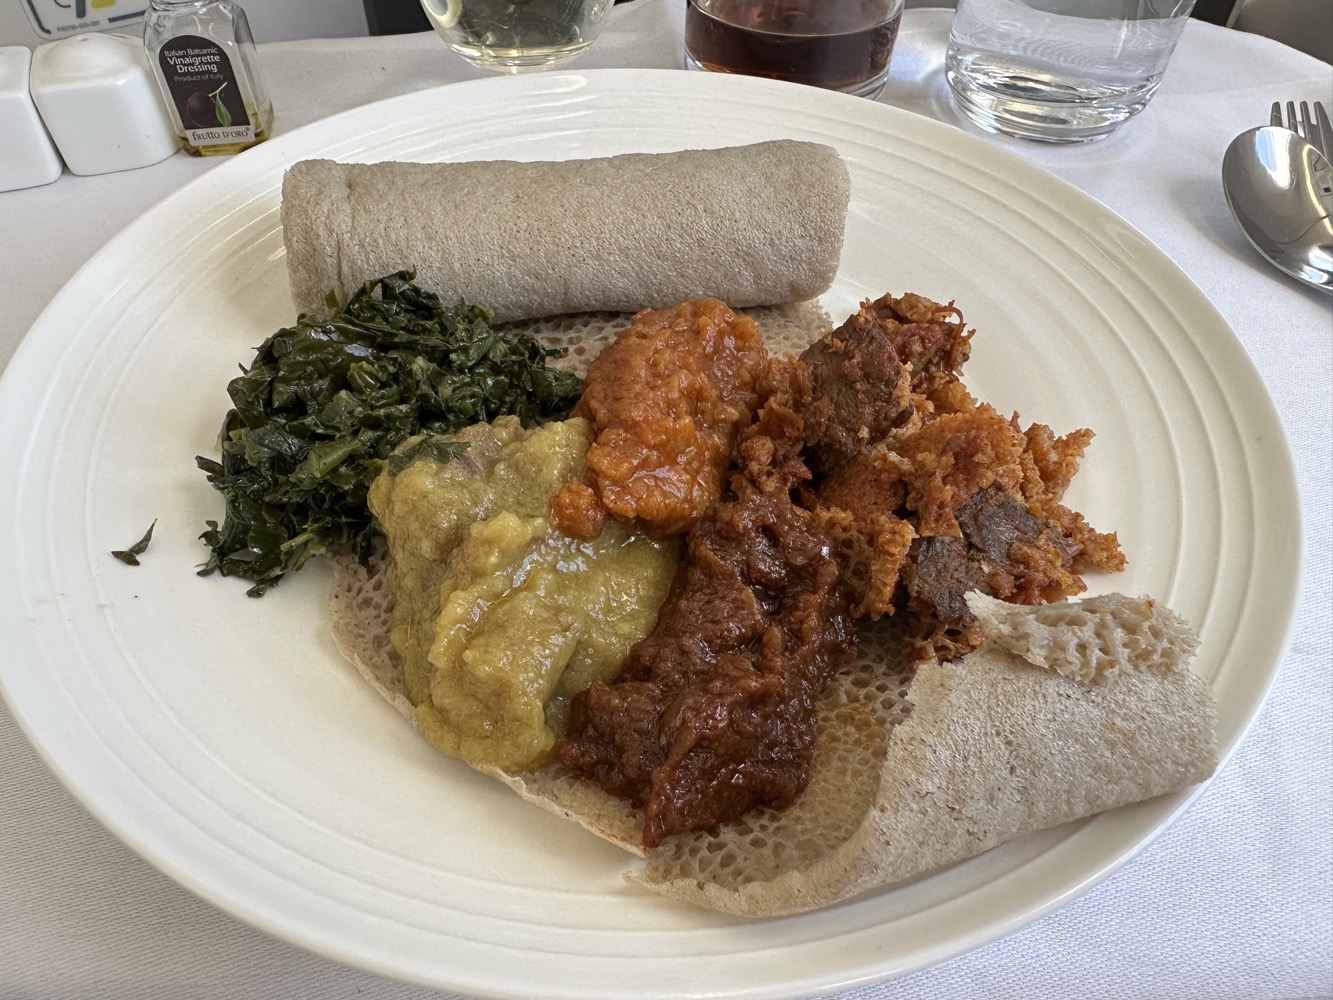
1059,70
514,36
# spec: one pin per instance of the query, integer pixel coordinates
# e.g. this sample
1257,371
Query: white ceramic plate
225,740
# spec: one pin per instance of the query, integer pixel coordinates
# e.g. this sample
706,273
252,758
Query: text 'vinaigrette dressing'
203,56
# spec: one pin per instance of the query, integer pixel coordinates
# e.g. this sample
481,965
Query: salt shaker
97,97
203,55
27,156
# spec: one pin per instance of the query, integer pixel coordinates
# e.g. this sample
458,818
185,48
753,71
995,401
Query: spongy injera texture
993,747
361,601
857,710
911,773
1087,639
787,329
751,225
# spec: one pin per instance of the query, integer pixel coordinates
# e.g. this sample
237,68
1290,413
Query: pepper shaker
97,97
27,157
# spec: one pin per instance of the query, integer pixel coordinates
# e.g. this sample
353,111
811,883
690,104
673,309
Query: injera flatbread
1071,709
752,225
995,746
912,772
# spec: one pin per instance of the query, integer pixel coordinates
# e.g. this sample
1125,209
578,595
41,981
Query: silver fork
1316,131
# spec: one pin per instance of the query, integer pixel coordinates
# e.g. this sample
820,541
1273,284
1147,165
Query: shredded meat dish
870,484
947,495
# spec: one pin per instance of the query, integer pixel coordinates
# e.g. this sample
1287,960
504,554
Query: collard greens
325,402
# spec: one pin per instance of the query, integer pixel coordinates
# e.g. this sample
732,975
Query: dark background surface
395,17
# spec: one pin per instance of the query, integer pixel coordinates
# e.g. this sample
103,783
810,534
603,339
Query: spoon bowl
1280,189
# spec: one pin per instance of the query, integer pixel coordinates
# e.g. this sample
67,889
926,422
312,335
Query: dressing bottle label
203,86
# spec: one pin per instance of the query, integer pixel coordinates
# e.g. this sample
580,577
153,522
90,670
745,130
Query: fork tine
1291,118
1325,130
1275,116
1309,129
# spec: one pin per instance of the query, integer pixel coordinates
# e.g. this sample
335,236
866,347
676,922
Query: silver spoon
1280,189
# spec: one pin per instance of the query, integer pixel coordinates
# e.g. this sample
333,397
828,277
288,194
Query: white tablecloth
1233,901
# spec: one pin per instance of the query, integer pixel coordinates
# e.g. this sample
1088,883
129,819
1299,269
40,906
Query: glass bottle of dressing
203,56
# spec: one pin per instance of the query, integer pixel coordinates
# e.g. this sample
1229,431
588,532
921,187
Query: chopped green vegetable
326,401
131,555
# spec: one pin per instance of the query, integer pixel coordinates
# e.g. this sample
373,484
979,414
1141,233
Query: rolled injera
752,225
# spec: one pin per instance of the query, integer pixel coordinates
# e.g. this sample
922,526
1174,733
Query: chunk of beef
859,392
1005,551
894,357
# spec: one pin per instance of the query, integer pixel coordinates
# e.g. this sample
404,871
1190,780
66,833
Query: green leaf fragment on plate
130,556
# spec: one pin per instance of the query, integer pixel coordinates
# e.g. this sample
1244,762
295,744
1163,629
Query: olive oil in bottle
203,56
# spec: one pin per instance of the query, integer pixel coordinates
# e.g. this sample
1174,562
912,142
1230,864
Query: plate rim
29,356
